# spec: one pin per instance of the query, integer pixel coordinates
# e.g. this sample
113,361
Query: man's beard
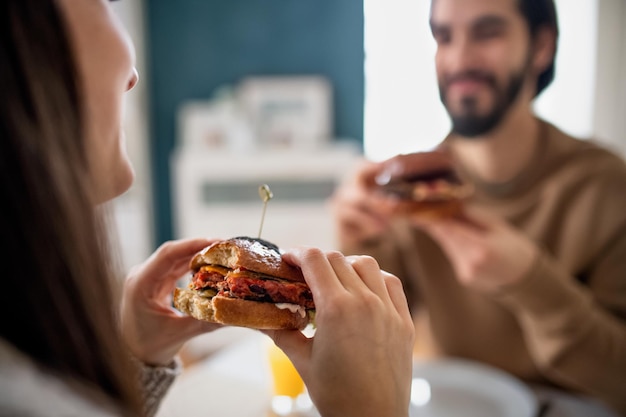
467,122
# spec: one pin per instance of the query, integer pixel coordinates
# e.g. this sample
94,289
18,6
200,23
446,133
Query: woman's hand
359,362
152,328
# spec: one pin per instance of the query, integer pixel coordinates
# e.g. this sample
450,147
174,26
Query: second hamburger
424,184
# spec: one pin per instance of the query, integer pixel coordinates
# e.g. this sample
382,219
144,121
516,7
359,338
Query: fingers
171,260
455,237
473,218
358,211
329,272
480,218
369,273
368,173
317,270
345,271
332,272
364,173
193,327
354,220
295,345
398,297
156,277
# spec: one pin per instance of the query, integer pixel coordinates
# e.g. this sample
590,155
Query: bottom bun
429,210
238,312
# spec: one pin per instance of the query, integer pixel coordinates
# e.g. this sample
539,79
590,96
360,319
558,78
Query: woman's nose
133,79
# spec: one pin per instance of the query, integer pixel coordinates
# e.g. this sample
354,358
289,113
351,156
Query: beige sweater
565,323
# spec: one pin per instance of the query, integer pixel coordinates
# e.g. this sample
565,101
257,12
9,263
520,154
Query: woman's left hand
152,328
358,363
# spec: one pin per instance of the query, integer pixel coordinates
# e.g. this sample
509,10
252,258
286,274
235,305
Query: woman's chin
114,186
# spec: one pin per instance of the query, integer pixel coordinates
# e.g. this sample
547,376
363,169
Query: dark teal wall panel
195,46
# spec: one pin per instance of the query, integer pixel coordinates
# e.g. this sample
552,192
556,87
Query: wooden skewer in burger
243,281
423,184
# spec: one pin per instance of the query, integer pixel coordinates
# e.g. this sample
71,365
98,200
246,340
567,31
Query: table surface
235,381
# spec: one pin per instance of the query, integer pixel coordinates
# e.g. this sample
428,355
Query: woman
67,345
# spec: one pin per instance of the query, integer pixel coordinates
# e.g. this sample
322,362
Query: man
533,278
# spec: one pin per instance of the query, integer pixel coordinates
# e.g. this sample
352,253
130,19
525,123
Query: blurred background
237,93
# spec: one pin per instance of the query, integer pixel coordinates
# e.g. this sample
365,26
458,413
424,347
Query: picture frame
288,111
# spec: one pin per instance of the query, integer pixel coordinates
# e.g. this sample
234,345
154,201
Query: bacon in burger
243,281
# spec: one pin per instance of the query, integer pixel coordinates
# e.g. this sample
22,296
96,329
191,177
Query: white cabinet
215,194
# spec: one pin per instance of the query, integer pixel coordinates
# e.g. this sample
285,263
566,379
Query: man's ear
544,49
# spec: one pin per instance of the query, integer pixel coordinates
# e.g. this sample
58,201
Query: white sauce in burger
294,308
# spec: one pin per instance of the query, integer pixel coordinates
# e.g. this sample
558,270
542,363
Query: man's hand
486,252
360,215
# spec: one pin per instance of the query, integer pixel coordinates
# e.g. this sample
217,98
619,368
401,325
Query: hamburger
423,184
244,281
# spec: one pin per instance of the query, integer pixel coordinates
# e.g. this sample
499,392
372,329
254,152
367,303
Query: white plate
454,388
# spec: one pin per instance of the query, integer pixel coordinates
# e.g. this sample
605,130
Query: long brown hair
57,302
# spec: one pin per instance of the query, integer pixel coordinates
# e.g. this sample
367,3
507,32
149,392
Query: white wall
402,108
569,101
610,103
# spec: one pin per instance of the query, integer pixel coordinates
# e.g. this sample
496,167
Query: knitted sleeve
155,382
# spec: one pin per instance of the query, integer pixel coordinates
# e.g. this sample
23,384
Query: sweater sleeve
392,252
576,332
155,381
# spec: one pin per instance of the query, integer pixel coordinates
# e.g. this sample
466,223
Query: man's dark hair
539,14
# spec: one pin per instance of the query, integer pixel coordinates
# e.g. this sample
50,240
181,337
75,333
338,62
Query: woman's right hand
358,363
152,328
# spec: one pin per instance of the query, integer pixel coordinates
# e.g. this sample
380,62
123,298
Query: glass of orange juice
289,392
